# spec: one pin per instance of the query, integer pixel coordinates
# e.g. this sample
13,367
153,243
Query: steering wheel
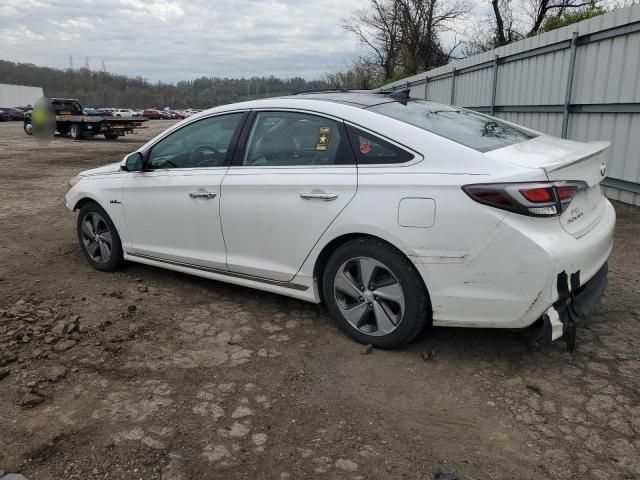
162,163
202,151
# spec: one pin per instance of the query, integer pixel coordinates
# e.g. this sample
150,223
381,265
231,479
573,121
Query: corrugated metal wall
602,101
18,95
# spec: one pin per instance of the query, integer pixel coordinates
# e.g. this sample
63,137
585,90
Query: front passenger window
201,144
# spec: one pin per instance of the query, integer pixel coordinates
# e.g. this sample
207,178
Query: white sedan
125,113
394,212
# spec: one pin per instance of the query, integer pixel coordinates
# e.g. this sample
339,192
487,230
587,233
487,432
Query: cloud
171,40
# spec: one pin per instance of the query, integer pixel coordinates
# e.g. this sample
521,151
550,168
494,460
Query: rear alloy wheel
99,238
75,131
28,128
375,294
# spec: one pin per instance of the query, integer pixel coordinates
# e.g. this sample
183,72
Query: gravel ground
151,374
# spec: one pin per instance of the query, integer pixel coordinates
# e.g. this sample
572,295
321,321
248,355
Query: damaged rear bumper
575,303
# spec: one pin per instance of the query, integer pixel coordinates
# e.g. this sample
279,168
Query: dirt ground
150,374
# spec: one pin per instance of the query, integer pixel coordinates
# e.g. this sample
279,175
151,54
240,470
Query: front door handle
207,195
327,197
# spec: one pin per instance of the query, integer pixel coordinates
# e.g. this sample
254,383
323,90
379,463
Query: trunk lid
565,160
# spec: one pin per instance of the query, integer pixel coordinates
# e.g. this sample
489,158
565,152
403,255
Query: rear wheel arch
333,245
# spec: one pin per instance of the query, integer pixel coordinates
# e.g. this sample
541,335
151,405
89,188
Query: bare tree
532,15
378,28
543,8
360,75
505,32
423,21
403,36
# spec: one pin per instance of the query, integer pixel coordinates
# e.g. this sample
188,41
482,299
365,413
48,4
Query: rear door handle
327,197
207,195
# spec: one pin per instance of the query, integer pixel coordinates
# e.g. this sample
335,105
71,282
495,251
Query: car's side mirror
134,162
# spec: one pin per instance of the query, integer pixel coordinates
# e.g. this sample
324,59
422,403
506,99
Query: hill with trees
103,89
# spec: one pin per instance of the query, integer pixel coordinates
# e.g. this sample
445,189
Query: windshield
462,126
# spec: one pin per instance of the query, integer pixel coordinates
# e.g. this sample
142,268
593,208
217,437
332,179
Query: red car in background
152,114
13,113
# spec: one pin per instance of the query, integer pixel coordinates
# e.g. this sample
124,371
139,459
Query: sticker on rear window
324,135
365,146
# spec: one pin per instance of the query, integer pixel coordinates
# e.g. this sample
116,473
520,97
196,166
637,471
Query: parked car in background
125,113
4,116
14,113
105,112
93,112
394,212
166,115
152,114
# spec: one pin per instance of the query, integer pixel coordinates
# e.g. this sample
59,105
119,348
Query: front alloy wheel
96,237
99,238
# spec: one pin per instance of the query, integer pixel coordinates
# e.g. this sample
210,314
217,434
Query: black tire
75,131
28,128
417,307
110,135
115,260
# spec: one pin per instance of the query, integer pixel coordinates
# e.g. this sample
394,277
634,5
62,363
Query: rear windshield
462,126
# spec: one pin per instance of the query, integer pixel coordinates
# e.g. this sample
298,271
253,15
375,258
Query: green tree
567,18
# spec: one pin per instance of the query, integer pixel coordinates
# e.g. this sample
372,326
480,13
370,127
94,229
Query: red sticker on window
365,147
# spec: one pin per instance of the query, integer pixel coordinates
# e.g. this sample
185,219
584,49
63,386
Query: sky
172,40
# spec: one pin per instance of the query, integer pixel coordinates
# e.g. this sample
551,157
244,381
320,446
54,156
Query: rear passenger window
294,139
370,149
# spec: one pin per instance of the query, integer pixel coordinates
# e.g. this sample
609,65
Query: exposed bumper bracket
574,304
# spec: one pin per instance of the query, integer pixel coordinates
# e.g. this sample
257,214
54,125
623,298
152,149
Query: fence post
494,85
453,85
426,86
567,93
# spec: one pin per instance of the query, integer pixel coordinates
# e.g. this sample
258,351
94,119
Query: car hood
104,170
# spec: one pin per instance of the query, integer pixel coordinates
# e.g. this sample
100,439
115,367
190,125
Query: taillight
539,199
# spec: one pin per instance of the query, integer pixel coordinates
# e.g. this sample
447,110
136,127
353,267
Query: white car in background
125,113
394,212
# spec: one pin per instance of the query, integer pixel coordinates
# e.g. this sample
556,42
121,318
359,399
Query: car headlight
73,181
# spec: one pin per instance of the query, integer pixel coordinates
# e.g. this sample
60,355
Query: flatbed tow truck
70,120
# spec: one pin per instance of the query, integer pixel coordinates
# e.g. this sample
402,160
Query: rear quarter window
371,150
462,126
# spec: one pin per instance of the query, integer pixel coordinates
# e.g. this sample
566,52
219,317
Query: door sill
293,286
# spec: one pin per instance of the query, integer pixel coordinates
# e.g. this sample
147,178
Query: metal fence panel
466,83
581,82
549,123
440,90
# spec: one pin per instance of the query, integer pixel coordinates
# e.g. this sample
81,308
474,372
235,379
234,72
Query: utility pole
71,62
104,67
86,62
